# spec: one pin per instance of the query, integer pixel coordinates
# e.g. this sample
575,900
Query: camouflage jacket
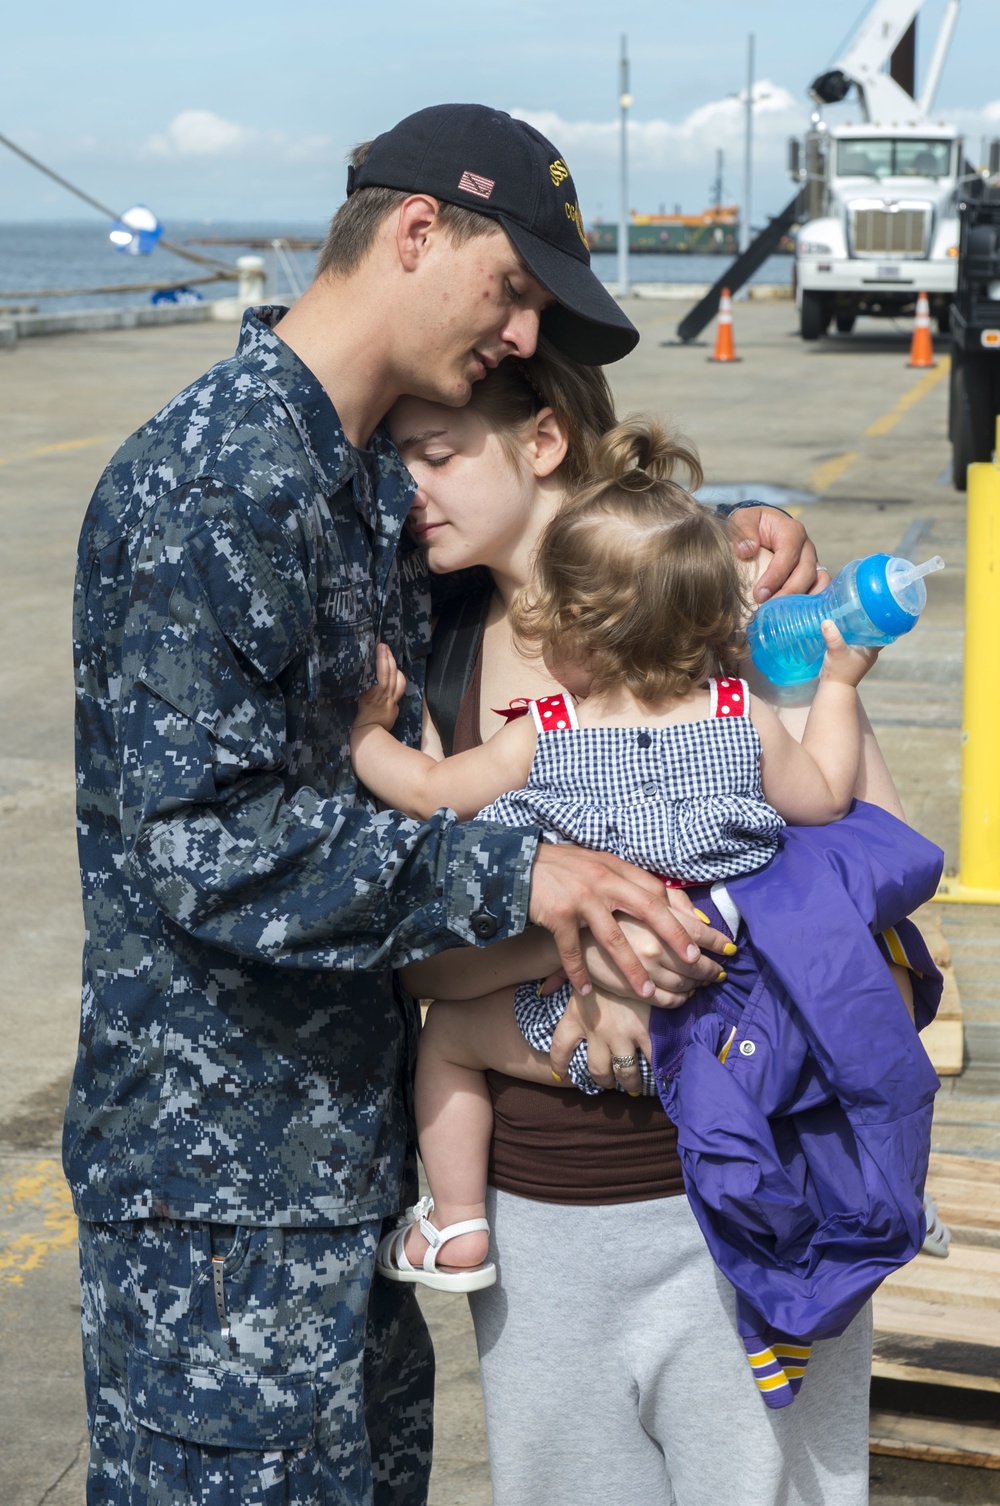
244,1053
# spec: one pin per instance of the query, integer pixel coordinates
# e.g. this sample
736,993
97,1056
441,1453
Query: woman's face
474,505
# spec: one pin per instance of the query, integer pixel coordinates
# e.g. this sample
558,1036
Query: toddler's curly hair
633,577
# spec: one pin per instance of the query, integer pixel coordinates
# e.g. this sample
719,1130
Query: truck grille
890,232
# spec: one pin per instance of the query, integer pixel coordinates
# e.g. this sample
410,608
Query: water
679,267
78,255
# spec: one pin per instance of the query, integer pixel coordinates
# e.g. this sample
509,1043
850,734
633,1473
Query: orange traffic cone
921,349
724,349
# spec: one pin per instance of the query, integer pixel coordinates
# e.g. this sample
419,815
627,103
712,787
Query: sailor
239,1123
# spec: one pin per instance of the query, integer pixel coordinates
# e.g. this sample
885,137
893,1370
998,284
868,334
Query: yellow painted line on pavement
889,420
42,1193
823,477
57,449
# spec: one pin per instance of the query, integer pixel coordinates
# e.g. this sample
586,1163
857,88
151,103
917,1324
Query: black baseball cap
486,160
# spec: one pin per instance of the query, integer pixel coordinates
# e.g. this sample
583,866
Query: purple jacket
800,1089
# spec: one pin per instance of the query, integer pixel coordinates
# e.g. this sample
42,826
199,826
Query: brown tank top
560,1146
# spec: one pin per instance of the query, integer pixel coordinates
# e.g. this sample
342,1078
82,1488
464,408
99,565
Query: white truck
881,194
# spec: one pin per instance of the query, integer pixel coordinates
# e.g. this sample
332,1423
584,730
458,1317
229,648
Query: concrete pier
843,419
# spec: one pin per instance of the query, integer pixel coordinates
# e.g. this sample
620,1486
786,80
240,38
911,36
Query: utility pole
624,102
748,157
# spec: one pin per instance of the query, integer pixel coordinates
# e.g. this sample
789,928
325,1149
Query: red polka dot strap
729,697
554,713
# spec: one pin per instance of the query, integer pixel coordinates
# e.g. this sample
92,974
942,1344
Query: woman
610,1360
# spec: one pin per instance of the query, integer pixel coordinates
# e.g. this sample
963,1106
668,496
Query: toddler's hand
379,707
844,663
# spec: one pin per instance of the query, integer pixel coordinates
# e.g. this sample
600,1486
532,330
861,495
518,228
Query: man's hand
379,706
573,889
793,569
611,1026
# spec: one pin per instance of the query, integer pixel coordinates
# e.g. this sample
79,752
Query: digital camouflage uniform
243,1081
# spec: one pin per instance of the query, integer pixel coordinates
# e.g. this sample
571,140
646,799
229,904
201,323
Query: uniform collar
330,453
265,354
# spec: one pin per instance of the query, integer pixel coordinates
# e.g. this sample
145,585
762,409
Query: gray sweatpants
613,1372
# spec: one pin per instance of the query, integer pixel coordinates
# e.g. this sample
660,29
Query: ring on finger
622,1063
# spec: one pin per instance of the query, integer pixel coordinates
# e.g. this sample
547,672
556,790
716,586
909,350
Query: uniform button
649,788
644,740
484,924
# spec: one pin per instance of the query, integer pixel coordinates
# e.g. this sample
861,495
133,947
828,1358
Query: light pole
624,102
748,156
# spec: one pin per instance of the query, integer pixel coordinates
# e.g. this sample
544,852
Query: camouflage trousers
262,1366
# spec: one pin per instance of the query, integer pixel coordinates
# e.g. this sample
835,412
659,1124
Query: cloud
982,122
690,142
200,133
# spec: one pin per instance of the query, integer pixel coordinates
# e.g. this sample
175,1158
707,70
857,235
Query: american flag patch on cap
473,183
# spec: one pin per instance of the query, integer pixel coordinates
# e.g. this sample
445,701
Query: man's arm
226,844
792,568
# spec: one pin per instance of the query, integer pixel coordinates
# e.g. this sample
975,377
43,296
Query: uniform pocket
344,656
216,1408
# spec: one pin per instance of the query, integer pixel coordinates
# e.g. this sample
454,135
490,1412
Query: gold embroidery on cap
558,172
573,213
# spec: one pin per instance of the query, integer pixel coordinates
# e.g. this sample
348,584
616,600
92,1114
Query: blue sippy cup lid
875,595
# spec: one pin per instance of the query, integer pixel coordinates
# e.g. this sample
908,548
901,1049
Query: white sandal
392,1263
938,1236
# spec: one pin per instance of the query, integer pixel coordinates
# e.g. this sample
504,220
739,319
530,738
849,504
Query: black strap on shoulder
458,634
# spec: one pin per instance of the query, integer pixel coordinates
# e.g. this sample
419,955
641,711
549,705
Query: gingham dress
683,801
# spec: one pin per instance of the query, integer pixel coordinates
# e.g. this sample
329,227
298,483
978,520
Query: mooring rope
120,287
203,261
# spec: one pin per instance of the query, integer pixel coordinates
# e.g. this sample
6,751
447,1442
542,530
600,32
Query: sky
221,110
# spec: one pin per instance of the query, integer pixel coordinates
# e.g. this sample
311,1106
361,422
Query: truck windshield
879,157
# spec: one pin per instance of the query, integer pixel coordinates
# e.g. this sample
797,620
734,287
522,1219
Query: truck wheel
944,319
845,321
972,420
815,316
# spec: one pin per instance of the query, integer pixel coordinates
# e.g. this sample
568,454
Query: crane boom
865,62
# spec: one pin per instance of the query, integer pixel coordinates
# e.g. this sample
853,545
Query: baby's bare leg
458,1044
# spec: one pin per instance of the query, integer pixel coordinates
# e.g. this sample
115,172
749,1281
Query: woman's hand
379,706
574,890
612,1027
672,985
792,568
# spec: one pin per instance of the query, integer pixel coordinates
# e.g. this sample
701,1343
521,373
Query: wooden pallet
943,1038
936,1365
896,1429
